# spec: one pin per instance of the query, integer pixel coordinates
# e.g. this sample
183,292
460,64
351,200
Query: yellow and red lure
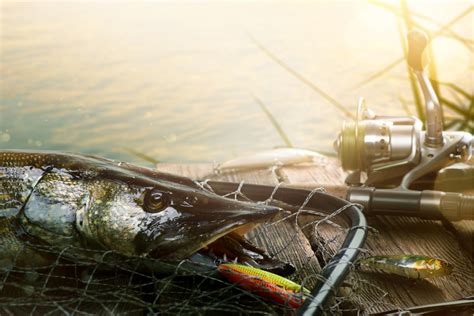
410,266
265,284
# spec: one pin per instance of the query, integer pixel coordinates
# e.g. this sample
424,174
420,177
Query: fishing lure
410,266
274,157
265,284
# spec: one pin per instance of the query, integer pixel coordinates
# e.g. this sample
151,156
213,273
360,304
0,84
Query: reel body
382,151
379,148
391,158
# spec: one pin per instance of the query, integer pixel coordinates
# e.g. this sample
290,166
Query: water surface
175,80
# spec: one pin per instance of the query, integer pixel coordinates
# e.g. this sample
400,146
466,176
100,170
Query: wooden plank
399,235
287,243
464,230
328,176
324,174
376,292
371,292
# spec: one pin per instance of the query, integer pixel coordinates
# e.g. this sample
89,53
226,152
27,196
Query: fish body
85,203
265,284
410,266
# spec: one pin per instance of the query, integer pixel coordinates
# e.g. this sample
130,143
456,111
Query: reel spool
372,140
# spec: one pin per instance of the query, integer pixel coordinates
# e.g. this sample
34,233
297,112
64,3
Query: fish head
92,203
161,218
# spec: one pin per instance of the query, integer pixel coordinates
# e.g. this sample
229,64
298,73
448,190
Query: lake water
175,80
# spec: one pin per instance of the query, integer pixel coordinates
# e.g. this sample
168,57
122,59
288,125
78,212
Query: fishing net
306,238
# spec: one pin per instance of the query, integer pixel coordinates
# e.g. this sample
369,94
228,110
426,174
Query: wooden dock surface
366,291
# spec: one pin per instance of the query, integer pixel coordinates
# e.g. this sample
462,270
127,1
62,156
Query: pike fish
84,204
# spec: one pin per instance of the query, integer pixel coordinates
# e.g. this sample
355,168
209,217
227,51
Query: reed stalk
406,19
274,122
303,79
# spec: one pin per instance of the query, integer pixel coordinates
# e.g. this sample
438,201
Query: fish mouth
223,240
236,248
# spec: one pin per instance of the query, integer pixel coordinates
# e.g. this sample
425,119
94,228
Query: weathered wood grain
371,292
327,175
403,235
464,230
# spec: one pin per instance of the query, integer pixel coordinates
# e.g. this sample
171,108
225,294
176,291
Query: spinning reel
397,168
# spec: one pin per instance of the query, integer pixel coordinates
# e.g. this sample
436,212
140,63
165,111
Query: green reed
274,122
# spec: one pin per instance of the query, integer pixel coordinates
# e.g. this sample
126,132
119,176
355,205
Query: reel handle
417,42
424,204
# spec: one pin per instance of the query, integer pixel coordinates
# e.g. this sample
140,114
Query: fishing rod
395,165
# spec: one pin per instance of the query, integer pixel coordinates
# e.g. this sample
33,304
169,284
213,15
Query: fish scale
16,183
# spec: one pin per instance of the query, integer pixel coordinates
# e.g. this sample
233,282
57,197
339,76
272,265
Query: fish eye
154,201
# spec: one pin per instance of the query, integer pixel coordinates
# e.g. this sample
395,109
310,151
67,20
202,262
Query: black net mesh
102,283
